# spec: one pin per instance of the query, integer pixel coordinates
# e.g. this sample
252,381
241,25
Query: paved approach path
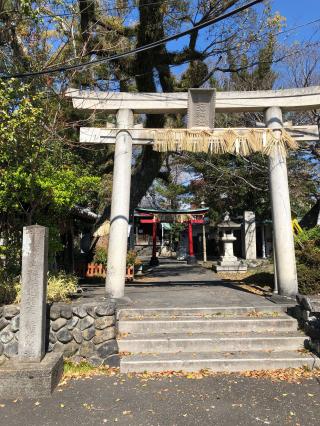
175,284
221,400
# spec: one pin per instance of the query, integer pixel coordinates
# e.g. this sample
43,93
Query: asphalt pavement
220,400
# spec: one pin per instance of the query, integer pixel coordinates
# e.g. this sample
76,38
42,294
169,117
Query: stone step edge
126,312
218,366
220,362
208,339
206,320
127,359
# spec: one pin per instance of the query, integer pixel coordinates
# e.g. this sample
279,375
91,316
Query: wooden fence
97,270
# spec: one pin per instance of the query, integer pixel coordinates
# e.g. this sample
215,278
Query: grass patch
77,369
83,370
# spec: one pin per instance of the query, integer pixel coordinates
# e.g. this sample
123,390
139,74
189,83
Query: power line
136,50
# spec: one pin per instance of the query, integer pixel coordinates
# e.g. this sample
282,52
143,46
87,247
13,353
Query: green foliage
36,169
101,256
169,193
41,178
308,279
308,261
230,183
133,259
8,288
175,230
72,369
60,287
310,235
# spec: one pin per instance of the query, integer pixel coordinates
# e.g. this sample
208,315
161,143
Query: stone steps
211,342
220,339
219,361
201,325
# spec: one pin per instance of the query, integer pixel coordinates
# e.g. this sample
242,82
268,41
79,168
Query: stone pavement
175,284
222,400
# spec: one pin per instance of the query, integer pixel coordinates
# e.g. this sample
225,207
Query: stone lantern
229,262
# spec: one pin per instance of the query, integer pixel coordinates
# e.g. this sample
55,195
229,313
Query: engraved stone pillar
33,293
249,245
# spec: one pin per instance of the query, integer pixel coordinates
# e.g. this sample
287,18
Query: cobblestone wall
307,313
82,331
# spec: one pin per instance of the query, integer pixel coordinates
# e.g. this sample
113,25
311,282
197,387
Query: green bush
308,279
312,234
308,261
8,288
133,259
101,256
8,292
60,287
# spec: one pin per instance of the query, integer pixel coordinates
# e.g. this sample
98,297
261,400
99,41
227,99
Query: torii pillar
281,211
191,259
119,219
154,261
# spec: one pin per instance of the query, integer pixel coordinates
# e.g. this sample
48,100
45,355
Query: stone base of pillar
231,268
121,301
191,260
20,379
229,264
282,300
154,261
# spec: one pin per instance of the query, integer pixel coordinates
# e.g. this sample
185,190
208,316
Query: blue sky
296,12
299,12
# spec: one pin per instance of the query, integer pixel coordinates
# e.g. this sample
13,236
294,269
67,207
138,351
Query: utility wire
136,50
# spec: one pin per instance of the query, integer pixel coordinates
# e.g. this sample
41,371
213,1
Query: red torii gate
153,216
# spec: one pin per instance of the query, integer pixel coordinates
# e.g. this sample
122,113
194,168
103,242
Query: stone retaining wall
81,330
307,313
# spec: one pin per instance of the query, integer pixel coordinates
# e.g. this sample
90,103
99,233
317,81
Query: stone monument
229,262
249,244
33,373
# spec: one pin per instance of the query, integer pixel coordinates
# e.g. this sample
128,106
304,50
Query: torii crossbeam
272,103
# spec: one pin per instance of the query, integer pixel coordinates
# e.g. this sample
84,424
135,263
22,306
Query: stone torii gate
272,103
